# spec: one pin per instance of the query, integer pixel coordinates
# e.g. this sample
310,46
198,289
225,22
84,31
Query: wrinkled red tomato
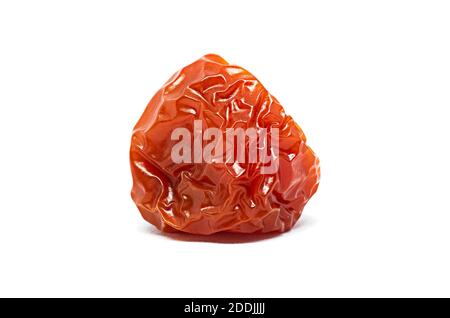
214,151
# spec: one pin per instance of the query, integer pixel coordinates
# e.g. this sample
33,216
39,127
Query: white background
368,81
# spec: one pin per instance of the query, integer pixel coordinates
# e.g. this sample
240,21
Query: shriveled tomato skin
206,198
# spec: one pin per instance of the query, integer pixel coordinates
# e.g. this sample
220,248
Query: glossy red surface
205,198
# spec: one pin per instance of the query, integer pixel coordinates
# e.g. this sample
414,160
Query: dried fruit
185,180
